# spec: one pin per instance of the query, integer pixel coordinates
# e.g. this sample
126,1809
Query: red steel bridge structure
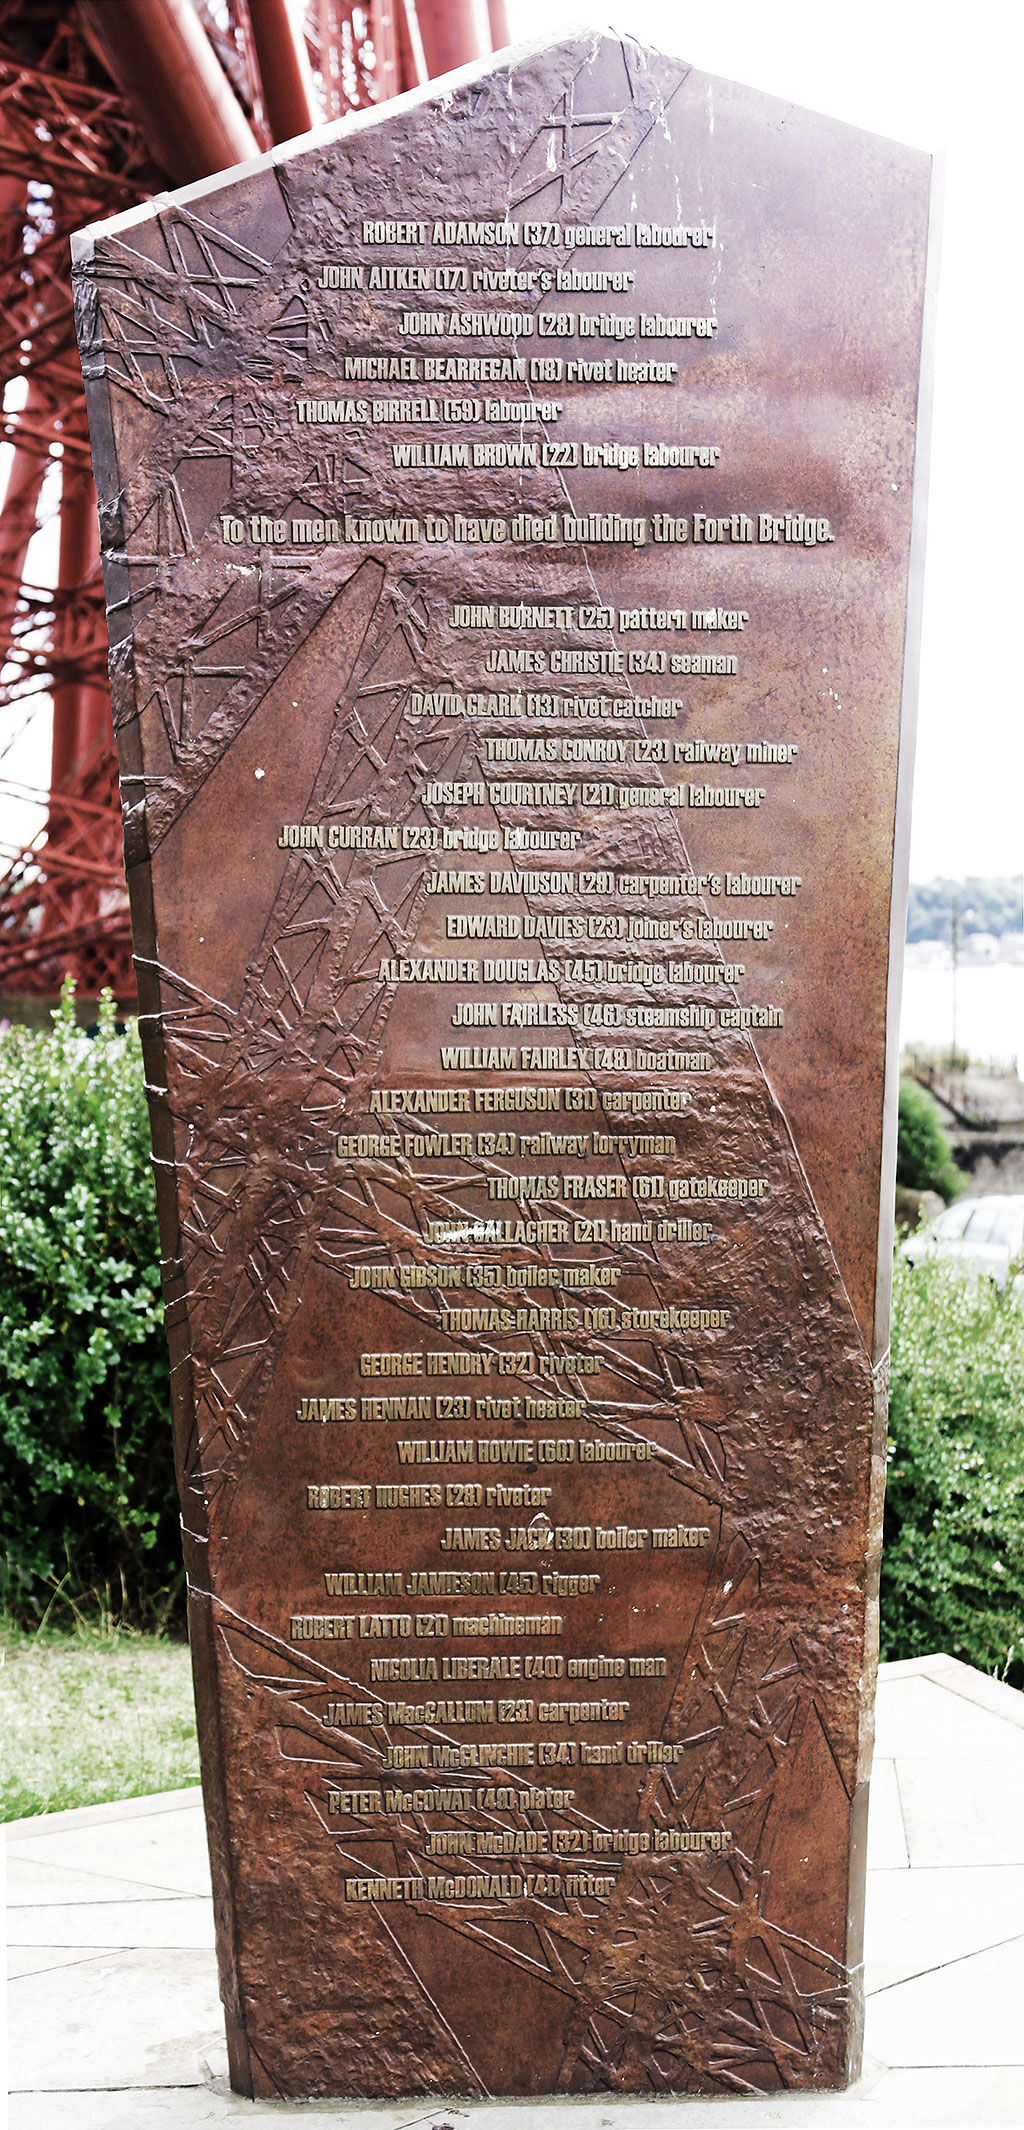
102,103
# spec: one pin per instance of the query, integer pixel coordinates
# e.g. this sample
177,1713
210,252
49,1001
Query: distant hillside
984,906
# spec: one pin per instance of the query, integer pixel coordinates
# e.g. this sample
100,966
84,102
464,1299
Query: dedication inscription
506,507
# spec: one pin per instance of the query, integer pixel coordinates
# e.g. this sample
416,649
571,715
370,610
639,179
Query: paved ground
115,2019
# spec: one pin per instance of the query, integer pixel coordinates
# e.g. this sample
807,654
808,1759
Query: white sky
948,79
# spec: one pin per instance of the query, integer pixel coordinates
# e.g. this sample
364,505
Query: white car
978,1234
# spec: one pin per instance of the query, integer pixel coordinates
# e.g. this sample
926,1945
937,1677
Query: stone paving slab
154,1849
948,1672
181,1923
894,2100
42,1824
38,1959
43,1885
965,2012
917,1922
925,1718
962,1813
138,2018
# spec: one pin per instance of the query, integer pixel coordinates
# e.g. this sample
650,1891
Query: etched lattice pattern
201,319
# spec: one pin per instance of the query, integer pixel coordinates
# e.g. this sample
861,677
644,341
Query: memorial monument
507,509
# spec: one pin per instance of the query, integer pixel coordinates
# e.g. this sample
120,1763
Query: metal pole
411,57
20,505
450,30
497,16
164,65
82,736
954,940
20,501
81,708
286,78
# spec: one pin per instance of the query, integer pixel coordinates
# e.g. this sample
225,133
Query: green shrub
85,1440
953,1559
923,1158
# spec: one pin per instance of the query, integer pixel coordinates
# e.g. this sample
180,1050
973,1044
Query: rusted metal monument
508,522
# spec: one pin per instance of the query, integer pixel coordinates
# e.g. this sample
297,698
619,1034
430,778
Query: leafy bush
923,1158
85,1439
953,1559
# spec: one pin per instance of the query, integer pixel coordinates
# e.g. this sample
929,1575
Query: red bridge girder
85,88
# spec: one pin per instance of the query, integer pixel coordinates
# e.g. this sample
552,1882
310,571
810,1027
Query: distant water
989,1010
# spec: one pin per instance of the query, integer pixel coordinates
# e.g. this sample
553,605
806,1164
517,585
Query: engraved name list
507,514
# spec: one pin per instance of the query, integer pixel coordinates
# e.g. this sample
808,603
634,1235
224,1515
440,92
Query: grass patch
92,1714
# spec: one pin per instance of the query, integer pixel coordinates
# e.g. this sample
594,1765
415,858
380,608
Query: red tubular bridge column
451,35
